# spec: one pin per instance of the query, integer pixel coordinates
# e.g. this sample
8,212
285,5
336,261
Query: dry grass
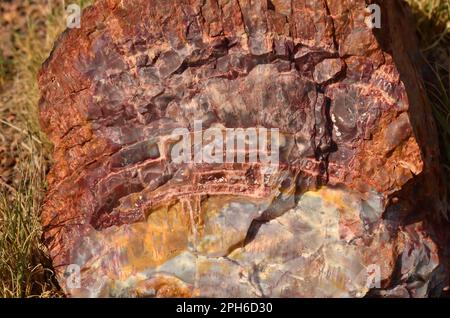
30,31
26,38
433,26
25,267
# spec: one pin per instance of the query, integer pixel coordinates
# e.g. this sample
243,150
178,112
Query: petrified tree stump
355,196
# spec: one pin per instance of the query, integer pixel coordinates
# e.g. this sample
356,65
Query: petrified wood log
354,200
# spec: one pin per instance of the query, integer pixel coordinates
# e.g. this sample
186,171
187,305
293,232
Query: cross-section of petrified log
353,206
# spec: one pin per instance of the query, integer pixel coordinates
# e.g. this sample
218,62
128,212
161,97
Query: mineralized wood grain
357,185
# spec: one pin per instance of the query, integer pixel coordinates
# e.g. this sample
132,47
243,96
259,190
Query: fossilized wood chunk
354,198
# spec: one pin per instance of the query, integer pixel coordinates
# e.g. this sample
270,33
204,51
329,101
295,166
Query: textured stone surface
357,189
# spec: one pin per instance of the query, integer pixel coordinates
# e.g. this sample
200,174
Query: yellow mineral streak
163,236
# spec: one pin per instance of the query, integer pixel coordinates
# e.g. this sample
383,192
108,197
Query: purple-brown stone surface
356,196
